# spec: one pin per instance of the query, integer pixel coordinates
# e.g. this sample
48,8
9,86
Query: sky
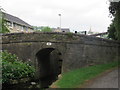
78,15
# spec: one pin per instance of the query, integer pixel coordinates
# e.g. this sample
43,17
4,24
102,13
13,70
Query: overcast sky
77,15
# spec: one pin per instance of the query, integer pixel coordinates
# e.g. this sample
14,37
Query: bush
70,35
14,69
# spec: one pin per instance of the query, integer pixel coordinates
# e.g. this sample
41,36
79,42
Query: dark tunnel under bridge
50,64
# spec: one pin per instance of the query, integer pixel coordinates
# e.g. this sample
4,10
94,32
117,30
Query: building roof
62,29
65,29
16,20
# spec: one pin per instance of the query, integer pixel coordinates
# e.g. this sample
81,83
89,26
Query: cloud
76,14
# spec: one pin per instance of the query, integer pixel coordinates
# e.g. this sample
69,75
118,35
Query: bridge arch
50,65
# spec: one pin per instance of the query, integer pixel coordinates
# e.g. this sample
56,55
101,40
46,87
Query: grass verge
77,77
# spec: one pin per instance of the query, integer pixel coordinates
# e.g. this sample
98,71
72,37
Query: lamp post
60,20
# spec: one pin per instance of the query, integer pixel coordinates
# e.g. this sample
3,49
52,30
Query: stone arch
50,65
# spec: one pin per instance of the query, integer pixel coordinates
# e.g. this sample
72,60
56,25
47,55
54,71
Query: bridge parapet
55,37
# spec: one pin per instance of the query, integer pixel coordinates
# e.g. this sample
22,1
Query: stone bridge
53,53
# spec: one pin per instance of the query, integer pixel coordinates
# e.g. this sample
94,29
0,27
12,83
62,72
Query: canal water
43,83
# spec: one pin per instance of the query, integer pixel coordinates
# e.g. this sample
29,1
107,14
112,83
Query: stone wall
90,51
77,50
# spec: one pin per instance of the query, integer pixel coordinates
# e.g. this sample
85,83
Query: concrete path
107,80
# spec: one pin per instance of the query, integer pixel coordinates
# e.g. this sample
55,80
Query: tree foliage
114,9
46,29
42,29
112,32
3,25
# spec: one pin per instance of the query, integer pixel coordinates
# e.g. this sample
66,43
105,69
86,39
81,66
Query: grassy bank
77,77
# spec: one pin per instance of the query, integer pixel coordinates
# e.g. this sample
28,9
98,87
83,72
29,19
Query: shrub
14,69
70,35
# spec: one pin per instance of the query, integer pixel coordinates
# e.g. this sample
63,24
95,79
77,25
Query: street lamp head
59,14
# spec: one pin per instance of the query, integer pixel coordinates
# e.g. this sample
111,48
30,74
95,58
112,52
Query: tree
42,28
46,29
0,21
112,32
3,26
114,9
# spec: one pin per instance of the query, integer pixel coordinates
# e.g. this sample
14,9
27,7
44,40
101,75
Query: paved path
107,80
